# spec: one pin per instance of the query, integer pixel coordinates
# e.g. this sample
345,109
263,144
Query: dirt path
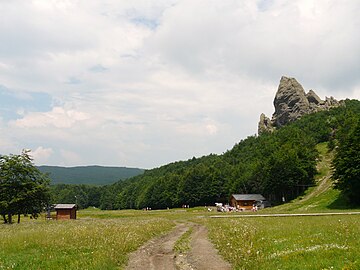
158,253
323,184
203,254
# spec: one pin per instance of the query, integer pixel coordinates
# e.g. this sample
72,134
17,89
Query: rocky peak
291,102
312,97
265,124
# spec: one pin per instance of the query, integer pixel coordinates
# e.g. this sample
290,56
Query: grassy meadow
302,242
85,243
326,242
104,239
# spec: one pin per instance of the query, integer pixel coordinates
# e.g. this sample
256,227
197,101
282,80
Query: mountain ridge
88,174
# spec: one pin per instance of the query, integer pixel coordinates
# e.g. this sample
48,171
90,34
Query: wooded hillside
281,164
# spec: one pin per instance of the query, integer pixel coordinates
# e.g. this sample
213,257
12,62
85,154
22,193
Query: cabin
65,211
245,201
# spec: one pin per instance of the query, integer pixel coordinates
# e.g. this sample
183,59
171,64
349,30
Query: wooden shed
245,201
65,211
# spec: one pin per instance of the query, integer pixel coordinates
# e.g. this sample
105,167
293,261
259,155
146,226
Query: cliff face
291,102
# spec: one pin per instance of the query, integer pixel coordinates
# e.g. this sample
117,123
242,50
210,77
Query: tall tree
346,164
23,188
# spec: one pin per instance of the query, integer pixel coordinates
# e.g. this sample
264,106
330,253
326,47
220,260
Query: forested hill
91,175
276,164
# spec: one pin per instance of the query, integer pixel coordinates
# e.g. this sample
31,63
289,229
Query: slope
321,197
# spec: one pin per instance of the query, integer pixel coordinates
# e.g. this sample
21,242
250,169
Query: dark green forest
281,164
90,175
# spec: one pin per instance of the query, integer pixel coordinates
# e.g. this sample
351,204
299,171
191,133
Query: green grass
288,242
104,239
182,245
327,242
76,244
171,214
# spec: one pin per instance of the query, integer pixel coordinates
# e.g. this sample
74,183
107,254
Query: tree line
346,163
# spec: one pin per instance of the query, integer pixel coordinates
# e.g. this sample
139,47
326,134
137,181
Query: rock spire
291,102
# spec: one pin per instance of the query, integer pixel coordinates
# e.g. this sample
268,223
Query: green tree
346,164
23,188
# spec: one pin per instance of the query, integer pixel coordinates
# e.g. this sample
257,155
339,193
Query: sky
144,83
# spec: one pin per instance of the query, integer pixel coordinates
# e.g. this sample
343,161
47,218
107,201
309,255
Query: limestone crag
265,124
291,102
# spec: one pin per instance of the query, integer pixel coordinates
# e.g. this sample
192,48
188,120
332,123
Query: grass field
78,244
104,239
330,242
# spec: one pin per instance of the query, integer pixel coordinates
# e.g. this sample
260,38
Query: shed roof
65,206
248,197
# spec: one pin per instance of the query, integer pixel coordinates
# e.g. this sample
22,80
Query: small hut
65,211
245,201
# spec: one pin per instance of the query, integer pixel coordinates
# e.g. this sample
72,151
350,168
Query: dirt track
158,253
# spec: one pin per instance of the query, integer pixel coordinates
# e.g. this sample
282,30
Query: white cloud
70,157
41,155
58,117
143,83
316,41
212,129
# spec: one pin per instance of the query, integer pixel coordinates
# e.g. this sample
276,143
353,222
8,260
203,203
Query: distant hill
92,175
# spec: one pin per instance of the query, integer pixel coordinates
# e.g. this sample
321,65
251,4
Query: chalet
65,211
245,201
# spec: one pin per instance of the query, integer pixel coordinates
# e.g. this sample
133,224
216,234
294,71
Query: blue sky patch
98,68
149,23
264,5
13,102
73,80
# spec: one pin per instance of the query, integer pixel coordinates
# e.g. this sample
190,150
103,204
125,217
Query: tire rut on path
203,255
157,254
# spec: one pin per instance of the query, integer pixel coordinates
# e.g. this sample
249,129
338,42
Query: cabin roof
248,197
65,206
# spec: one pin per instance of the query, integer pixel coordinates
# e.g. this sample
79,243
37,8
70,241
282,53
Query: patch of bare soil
203,254
158,253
